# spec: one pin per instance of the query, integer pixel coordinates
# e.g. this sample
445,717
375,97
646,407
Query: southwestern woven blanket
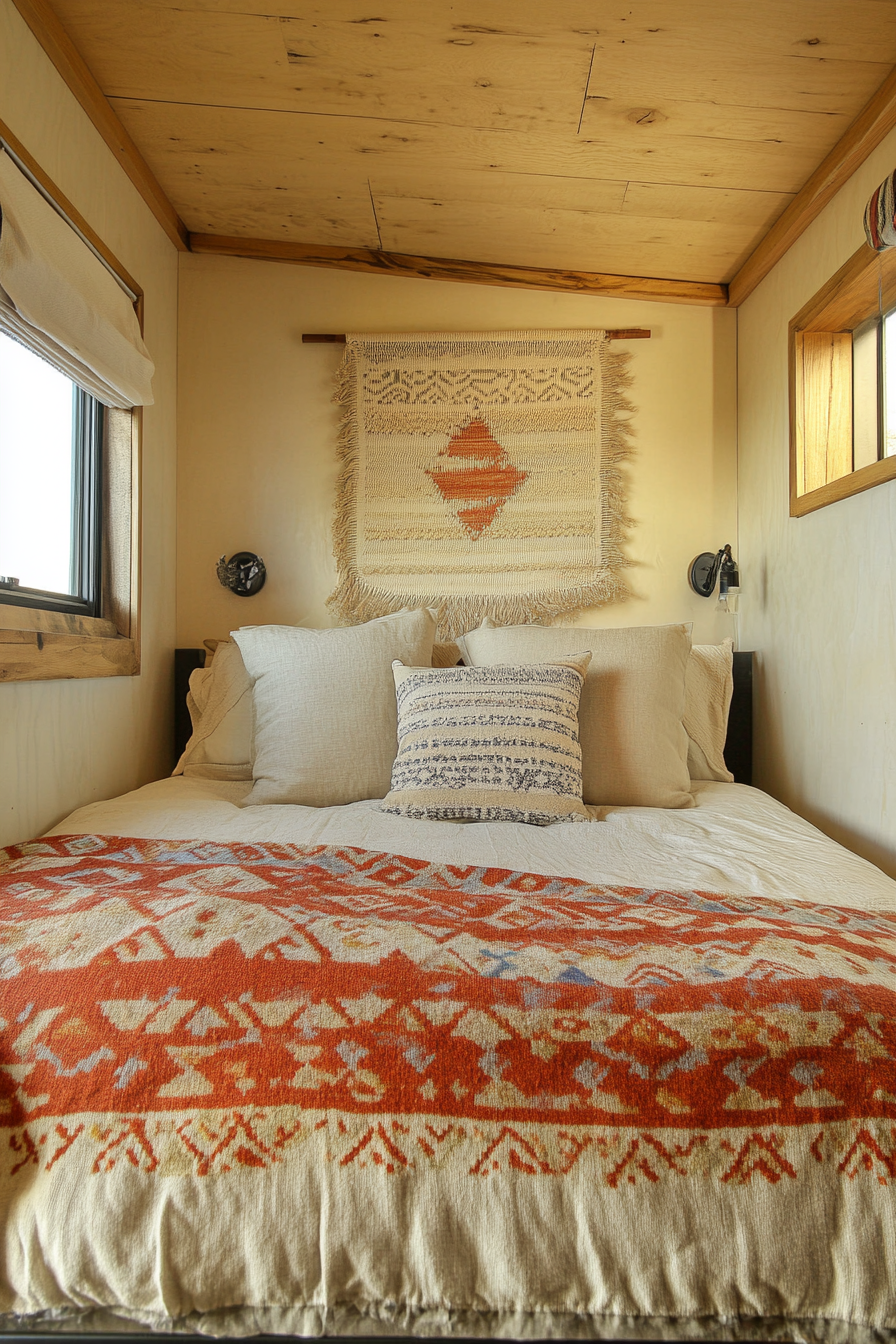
480,475
307,1089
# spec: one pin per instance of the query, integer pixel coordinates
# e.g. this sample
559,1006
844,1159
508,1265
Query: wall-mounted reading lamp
708,568
244,573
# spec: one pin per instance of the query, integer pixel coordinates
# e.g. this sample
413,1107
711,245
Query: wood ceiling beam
464,272
46,27
870,127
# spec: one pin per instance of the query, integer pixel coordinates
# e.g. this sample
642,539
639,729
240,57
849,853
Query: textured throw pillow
634,748
325,719
709,685
220,705
489,743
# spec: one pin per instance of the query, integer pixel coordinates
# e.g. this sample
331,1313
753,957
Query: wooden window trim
38,645
865,284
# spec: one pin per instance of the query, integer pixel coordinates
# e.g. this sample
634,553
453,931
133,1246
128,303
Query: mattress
310,1072
735,839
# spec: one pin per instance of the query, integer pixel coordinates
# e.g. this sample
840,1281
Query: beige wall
819,594
64,743
257,429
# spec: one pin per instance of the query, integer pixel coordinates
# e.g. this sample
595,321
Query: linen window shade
60,301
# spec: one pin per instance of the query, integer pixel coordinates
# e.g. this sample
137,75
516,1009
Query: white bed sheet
736,839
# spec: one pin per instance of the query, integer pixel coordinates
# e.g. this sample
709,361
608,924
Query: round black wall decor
244,573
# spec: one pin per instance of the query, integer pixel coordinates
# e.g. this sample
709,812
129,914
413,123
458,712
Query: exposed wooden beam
52,36
465,272
870,127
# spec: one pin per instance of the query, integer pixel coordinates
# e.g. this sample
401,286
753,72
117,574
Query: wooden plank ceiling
646,138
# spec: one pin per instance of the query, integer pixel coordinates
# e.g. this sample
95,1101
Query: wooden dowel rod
617,334
629,334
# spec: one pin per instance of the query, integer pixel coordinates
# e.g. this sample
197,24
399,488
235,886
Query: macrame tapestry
480,475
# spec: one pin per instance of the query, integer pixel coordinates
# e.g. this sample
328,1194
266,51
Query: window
843,385
51,435
74,376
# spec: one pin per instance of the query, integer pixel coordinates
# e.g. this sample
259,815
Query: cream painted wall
65,743
819,593
257,430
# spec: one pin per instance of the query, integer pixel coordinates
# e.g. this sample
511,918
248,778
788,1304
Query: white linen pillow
489,743
709,686
634,748
325,715
220,705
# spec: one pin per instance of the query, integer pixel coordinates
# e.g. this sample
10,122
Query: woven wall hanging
480,475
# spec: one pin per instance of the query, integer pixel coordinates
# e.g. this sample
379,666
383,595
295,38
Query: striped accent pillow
496,743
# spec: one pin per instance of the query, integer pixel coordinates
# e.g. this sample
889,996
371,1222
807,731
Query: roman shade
58,299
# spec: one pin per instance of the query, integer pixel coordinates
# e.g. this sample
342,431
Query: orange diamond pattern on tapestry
481,483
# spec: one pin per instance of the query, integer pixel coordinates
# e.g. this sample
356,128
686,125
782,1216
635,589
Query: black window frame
87,520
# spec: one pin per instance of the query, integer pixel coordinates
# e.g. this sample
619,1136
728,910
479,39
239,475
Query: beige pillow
325,717
709,686
634,748
445,655
220,705
489,743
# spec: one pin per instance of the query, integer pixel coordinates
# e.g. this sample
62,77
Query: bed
300,1070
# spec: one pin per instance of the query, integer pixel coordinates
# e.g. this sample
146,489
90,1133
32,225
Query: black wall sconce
244,573
708,568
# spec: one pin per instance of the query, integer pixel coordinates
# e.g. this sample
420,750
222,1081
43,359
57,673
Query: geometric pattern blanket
305,1089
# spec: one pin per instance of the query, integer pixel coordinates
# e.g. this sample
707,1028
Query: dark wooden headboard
738,744
186,662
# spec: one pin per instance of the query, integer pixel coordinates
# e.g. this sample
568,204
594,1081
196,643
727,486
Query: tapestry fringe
355,601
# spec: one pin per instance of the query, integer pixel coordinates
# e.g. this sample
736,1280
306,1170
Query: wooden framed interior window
93,628
842,366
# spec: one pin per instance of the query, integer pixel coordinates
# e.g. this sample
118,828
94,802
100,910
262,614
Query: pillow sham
709,686
220,705
325,716
634,748
489,743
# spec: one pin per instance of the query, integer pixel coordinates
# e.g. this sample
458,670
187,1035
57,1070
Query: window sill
852,484
50,645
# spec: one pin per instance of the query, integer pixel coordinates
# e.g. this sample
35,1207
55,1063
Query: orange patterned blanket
418,1091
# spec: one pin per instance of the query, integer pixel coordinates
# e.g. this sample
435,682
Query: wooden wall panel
870,127
796,136
680,249
290,119
716,205
334,217
823,391
182,137
419,68
268,174
604,196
